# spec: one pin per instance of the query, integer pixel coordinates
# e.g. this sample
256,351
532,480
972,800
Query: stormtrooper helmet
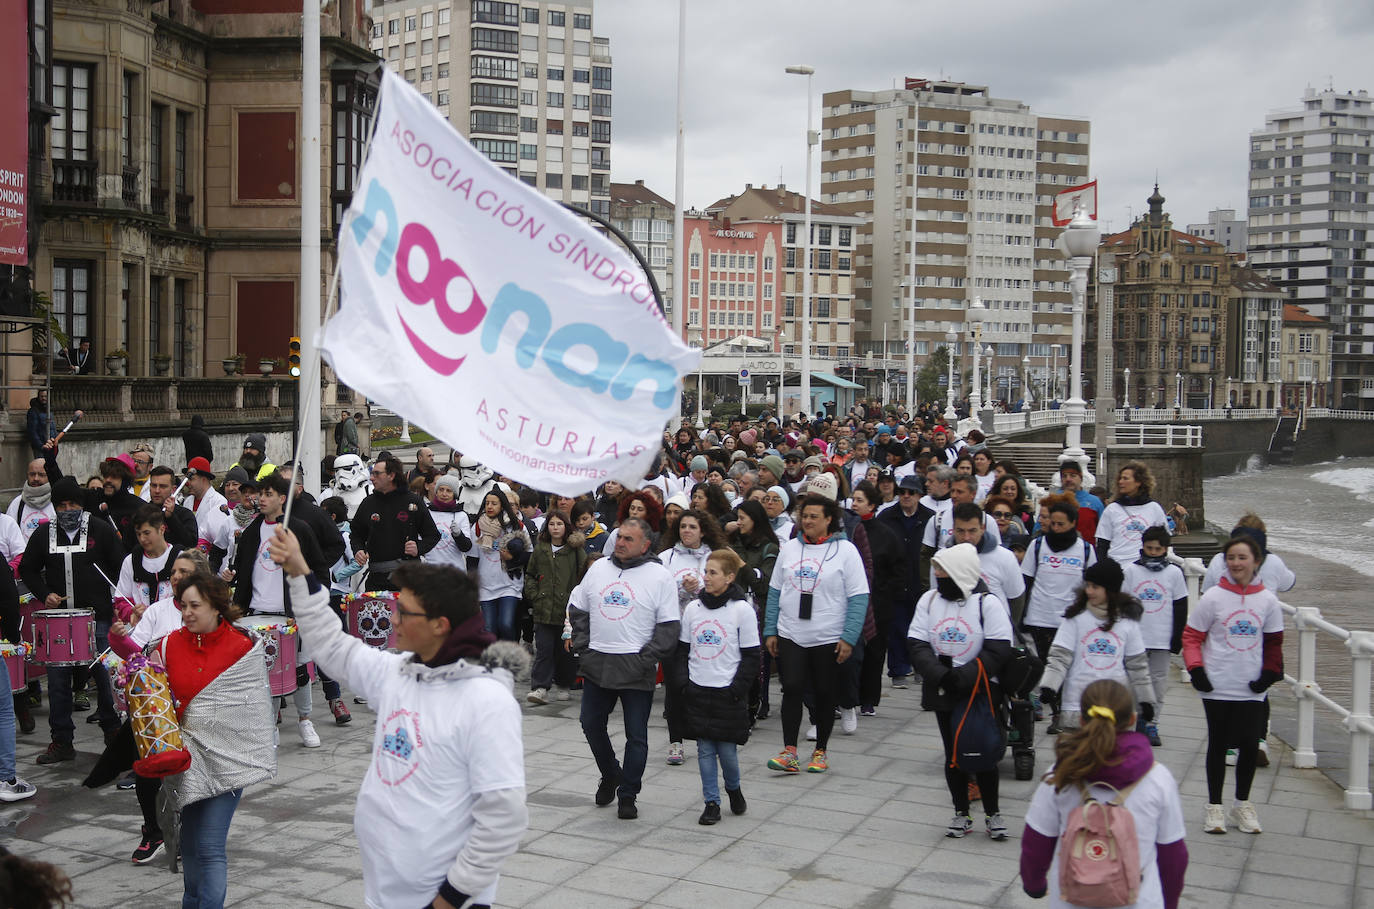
472,473
349,472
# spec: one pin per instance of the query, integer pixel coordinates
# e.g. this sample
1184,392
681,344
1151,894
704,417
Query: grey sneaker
959,826
16,790
1246,818
997,828
538,696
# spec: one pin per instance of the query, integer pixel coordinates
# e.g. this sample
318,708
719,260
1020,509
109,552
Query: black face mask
948,589
1061,541
1154,563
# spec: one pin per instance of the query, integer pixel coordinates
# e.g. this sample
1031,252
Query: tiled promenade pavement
869,833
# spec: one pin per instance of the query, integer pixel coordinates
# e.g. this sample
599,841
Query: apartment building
955,189
527,83
170,192
1309,227
1305,359
1223,226
647,219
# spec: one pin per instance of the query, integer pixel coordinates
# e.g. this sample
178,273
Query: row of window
820,234
486,11
73,308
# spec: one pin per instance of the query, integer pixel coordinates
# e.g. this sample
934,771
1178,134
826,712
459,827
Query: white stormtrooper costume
351,482
477,480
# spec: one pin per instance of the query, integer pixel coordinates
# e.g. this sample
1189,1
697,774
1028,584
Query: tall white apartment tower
957,187
527,83
1309,225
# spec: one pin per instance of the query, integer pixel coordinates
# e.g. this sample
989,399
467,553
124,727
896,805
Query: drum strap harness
77,545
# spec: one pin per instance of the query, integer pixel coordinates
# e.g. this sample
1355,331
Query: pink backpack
1099,858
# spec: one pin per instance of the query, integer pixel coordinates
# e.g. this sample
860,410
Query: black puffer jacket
718,714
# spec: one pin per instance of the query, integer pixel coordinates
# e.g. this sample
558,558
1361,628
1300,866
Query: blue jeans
205,866
636,705
60,694
6,737
708,751
499,614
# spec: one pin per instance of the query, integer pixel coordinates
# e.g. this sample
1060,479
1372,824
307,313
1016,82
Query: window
554,99
426,20
582,48
496,149
495,95
494,11
492,39
845,236
377,30
353,106
489,68
601,78
553,181
580,181
789,307
487,121
823,235
410,23
601,105
529,152
71,125
582,20
527,98
179,146
601,130
601,159
529,124
443,15
694,260
557,17
155,287
72,293
530,14
791,235
181,341
426,73
554,74
822,307
393,27
554,127
156,159
580,102
823,259
580,129
127,94
128,280
410,51
442,100
582,75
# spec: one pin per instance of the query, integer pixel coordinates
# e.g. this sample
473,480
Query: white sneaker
1246,818
538,696
309,737
562,694
811,733
1214,821
1230,757
849,720
17,790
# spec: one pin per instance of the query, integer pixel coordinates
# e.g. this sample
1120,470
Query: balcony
184,211
73,181
129,186
158,196
118,399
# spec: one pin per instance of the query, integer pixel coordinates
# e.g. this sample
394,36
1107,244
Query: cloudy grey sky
1171,86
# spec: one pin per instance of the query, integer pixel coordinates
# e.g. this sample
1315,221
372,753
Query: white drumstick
99,658
176,496
113,586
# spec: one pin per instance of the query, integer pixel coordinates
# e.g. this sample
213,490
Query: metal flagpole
308,393
679,196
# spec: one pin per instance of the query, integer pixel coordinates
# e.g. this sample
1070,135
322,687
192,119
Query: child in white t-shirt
1158,584
1098,639
1105,758
717,660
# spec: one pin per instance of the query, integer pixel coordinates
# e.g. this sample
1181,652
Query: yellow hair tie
1105,712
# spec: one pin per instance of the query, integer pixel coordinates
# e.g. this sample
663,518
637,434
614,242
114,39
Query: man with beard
254,457
392,525
33,506
142,453
113,503
181,522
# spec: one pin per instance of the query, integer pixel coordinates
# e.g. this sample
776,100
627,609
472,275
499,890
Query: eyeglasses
1001,514
396,608
908,492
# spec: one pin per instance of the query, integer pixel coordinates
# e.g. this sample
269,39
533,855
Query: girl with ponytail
1107,759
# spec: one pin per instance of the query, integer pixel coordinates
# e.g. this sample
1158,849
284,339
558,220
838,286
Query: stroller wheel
1024,764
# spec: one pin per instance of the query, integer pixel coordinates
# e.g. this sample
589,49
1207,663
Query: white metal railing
1327,413
1162,414
1040,418
1008,422
1157,435
1355,719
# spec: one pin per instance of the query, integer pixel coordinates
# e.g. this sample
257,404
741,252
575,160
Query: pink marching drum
28,605
13,656
369,618
62,637
280,643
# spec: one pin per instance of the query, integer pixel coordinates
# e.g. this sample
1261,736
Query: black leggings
1232,724
146,788
801,668
957,780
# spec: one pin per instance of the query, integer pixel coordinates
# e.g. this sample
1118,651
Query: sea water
1321,510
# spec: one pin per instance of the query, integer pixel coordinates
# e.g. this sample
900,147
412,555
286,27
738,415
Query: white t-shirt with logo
715,638
939,532
1002,573
1235,625
1156,591
28,517
137,592
1097,653
957,628
269,593
831,572
1123,525
624,606
446,551
159,619
1154,805
1058,575
683,563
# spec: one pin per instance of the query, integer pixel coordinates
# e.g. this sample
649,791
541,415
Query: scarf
467,641
36,497
489,530
1060,541
1099,612
445,507
717,600
1138,499
635,562
243,514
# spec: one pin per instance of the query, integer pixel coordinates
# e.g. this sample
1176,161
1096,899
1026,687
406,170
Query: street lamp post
1229,380
1081,238
989,390
1126,392
1025,384
811,139
1054,372
976,313
1178,391
701,369
950,339
1211,390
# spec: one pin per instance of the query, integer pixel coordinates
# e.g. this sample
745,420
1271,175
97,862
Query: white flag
1084,195
491,316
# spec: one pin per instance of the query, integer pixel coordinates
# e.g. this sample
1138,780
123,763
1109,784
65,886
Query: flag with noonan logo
502,323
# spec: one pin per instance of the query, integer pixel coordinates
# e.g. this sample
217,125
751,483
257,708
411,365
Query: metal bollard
1305,755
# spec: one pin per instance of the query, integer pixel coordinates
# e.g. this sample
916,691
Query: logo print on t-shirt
398,753
1242,630
617,601
1101,649
804,574
1151,596
708,640
953,637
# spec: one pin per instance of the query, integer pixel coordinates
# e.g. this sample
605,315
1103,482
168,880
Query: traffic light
293,359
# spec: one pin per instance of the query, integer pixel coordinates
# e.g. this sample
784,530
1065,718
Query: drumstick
70,423
176,495
113,586
100,657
